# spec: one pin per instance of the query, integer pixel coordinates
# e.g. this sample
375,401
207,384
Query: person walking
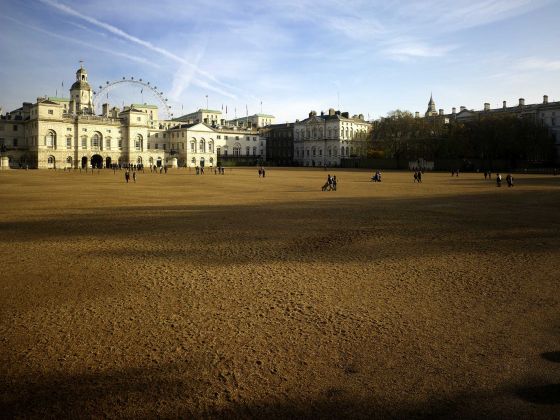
134,176
127,176
334,181
498,180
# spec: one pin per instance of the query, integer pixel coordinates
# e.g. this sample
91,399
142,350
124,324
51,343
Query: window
202,144
138,142
254,151
157,146
50,139
15,142
164,146
225,137
51,112
68,128
108,131
218,137
218,151
68,142
95,141
254,139
15,127
108,143
84,129
119,142
247,151
156,135
138,119
84,142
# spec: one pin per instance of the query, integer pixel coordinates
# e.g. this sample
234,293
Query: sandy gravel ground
185,296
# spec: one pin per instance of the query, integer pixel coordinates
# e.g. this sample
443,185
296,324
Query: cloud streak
146,44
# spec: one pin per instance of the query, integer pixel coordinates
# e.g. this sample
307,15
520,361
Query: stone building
329,138
279,144
66,133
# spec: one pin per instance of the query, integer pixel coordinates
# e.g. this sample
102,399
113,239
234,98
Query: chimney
312,114
361,117
416,114
545,99
441,112
505,104
105,110
453,110
521,102
462,108
486,106
331,111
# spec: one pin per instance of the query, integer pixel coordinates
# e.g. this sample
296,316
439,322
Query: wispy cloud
538,64
83,43
146,44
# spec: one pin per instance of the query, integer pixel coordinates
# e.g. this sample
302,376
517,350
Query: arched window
236,149
211,160
254,151
95,140
50,139
139,160
202,146
193,160
138,142
247,151
193,145
51,162
211,146
151,160
69,160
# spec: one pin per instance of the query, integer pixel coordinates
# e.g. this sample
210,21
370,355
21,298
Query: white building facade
327,139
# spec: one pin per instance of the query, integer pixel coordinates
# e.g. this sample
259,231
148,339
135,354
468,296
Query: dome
80,84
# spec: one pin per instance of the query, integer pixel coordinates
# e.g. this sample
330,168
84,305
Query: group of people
219,170
509,180
262,172
454,172
418,176
330,185
376,177
127,175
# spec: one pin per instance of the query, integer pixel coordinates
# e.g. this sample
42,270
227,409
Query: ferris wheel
104,90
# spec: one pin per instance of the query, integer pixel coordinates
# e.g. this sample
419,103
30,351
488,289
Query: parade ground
185,296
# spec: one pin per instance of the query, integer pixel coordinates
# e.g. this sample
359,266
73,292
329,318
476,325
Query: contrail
82,43
119,32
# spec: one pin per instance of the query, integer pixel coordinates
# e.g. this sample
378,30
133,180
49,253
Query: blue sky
369,56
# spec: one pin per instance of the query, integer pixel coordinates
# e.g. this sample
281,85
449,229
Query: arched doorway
84,162
202,162
108,162
158,163
96,161
51,163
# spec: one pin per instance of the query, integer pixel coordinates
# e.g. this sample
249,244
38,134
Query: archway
108,162
96,161
51,163
84,162
202,162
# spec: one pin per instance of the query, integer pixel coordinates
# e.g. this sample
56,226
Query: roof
213,111
55,99
144,106
265,115
80,84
